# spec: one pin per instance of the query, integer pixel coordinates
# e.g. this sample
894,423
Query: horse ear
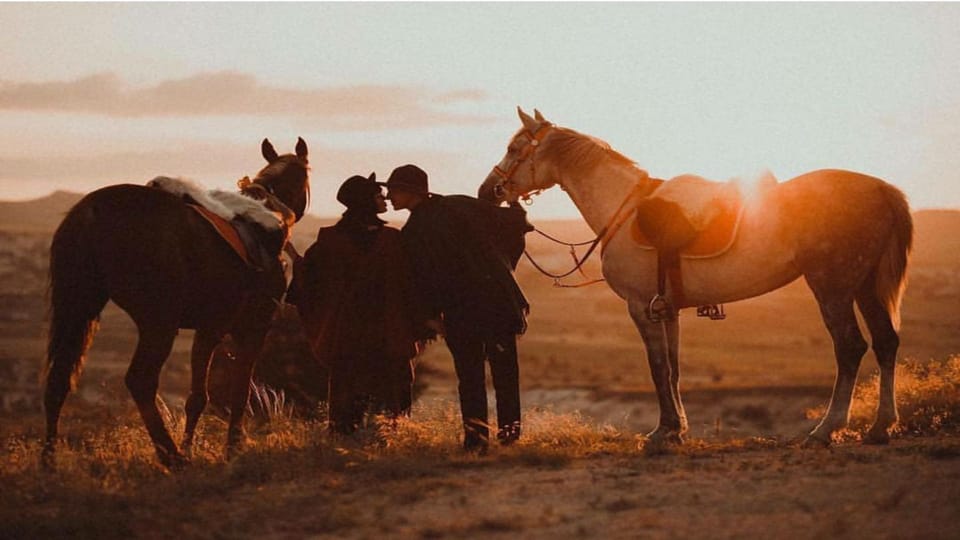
268,152
538,116
528,122
301,148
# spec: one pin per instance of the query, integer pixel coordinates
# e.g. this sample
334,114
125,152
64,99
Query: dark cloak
353,289
463,252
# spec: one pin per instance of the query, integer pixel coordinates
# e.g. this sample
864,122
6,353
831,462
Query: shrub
928,398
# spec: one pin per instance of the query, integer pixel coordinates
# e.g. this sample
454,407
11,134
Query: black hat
408,178
358,192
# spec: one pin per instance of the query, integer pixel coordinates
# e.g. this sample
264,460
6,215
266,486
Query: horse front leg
203,344
673,354
143,380
661,340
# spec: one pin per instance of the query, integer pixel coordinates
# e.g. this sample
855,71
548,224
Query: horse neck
600,193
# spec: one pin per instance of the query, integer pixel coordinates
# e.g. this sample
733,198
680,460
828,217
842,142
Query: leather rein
606,233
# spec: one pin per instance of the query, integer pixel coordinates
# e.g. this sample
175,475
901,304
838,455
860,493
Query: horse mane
578,152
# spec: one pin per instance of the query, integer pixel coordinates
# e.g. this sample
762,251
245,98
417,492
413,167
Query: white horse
849,235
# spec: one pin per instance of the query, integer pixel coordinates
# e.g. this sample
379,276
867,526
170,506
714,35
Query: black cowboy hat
358,191
408,178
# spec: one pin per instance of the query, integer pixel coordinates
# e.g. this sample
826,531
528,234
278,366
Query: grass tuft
928,400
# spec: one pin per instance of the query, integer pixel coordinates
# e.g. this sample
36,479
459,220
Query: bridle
527,153
259,190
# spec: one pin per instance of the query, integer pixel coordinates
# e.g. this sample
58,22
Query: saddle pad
714,240
226,231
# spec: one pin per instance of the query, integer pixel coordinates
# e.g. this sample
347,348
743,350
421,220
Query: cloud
220,165
227,93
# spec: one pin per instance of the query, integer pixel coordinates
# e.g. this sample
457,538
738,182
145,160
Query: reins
608,231
578,263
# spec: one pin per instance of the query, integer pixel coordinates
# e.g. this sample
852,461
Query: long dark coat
463,252
359,309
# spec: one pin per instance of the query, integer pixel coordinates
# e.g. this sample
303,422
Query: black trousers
354,391
470,350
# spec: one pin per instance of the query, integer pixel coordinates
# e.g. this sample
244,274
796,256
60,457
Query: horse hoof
658,442
179,463
236,447
815,441
173,461
877,436
47,461
233,452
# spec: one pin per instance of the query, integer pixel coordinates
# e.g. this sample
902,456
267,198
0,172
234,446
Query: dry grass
107,482
928,399
108,447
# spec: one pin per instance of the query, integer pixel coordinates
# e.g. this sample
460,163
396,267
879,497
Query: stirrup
659,309
714,311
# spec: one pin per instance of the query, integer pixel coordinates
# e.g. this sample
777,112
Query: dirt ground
908,490
749,384
566,479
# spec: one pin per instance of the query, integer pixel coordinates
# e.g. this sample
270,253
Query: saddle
691,227
253,232
246,240
687,217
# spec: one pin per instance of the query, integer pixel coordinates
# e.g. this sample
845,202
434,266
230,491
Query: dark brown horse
164,265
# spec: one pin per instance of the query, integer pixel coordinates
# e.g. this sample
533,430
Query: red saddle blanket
226,230
712,240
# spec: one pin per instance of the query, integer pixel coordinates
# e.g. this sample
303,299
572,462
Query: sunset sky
92,95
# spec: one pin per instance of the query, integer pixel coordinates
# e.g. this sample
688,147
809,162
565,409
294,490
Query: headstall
527,152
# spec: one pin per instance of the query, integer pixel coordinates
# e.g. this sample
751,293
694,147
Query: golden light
753,187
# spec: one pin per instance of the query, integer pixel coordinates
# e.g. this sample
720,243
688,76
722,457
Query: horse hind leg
886,341
203,345
143,380
78,294
69,340
849,348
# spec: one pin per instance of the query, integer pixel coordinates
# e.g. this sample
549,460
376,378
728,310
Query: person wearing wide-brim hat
361,314
407,185
462,251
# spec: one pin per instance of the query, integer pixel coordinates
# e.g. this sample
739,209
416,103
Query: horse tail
77,293
891,274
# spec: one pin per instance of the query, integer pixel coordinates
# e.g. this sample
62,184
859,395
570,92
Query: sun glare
754,186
